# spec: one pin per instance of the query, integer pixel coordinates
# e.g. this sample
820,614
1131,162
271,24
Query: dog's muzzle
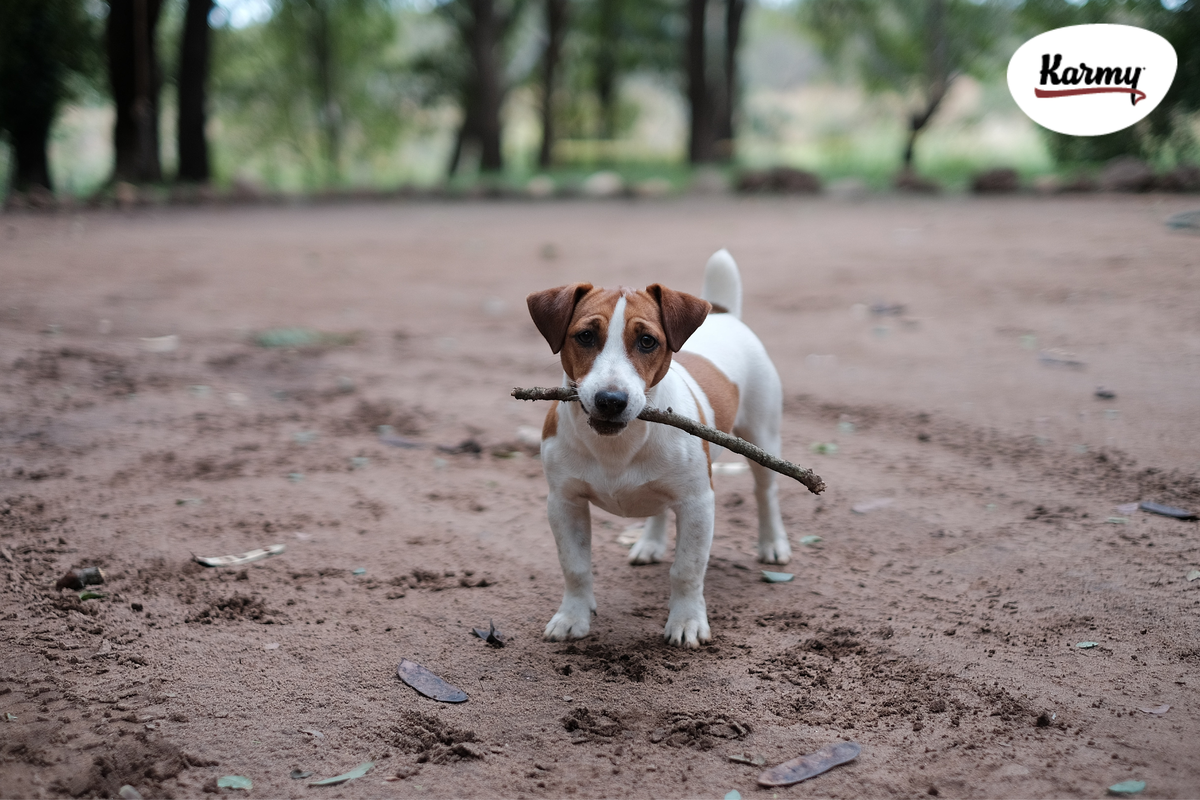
605,417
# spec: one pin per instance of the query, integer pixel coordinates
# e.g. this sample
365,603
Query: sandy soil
939,631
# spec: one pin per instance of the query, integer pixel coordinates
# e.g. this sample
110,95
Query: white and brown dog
622,350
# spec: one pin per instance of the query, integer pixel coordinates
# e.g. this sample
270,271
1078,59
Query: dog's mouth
606,427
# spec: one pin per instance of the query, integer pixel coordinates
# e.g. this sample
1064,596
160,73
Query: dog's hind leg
773,546
651,546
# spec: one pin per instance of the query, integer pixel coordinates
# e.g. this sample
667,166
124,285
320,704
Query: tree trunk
193,80
488,95
606,66
134,73
700,140
937,79
329,113
734,9
28,138
556,26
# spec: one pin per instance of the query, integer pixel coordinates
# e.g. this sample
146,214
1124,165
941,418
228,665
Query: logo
1088,80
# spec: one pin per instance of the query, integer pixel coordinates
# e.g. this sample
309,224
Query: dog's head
615,343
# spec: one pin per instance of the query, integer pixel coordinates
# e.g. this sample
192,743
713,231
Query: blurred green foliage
1168,135
317,87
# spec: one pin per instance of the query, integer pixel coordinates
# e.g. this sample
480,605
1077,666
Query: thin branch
737,445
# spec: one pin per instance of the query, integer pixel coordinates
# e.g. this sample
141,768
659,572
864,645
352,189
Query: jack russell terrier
621,350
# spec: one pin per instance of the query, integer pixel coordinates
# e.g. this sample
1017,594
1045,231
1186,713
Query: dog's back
732,347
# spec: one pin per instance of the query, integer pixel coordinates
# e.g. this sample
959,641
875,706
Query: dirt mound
585,725
432,740
701,732
235,607
140,761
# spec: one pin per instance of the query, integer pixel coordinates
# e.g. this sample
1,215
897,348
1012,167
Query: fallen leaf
777,577
10,717
1127,787
492,636
733,795
805,767
1193,575
1086,645
1167,511
127,792
238,560
234,782
357,772
823,448
271,646
300,774
360,571
89,595
429,684
810,539
313,732
1157,711
746,758
1127,508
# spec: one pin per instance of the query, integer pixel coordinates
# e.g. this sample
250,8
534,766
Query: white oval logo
1087,80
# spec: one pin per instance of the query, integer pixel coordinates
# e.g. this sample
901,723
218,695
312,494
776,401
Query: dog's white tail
722,284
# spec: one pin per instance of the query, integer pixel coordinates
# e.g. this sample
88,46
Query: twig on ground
737,445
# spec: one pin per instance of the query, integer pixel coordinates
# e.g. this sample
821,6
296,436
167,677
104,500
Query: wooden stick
806,476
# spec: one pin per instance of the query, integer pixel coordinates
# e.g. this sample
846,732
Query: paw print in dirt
586,725
701,732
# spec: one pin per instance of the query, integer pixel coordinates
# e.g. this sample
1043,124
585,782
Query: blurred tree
712,82
1167,134
915,48
193,84
318,80
136,80
556,29
42,44
482,28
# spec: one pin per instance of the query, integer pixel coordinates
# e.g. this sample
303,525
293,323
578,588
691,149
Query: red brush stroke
1138,94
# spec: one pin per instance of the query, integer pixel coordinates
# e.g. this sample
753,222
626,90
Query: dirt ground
938,630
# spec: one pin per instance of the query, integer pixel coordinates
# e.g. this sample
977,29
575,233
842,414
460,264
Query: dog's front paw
687,629
573,621
647,550
775,552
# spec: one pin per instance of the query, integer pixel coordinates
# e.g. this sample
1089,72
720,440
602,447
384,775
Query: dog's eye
586,338
647,343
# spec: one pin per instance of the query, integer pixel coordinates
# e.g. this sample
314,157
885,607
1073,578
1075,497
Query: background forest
300,96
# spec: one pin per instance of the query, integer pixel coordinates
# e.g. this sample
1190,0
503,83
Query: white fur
648,469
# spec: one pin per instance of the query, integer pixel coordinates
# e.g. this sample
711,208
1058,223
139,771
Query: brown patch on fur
681,313
643,316
592,313
550,425
721,392
552,310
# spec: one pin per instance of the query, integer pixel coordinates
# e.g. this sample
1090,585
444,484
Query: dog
622,350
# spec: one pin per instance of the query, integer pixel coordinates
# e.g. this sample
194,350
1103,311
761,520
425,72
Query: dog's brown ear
681,313
552,309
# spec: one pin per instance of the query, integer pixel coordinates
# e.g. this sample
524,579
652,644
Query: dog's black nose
611,404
